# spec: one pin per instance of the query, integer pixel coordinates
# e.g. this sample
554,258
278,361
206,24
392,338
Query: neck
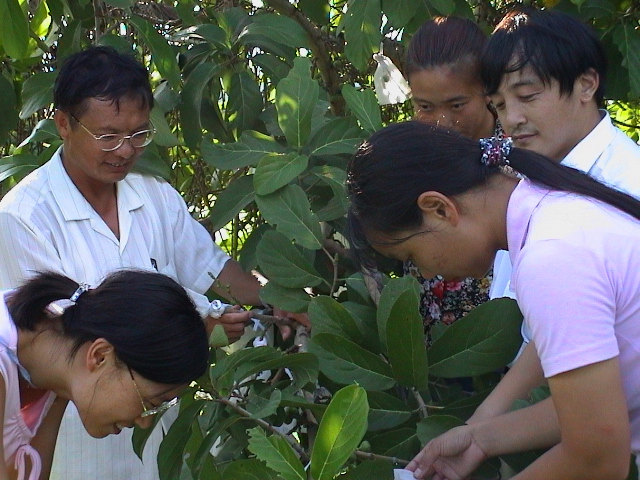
494,207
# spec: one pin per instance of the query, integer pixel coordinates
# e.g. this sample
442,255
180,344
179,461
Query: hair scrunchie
495,150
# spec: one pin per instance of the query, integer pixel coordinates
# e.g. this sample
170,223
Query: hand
451,456
233,321
285,330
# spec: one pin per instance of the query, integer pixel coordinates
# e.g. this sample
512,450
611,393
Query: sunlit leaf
362,23
164,136
341,429
14,34
248,150
364,106
277,454
275,171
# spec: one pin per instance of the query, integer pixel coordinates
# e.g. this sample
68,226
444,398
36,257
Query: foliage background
259,105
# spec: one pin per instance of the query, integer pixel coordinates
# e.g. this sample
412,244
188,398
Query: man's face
537,116
83,158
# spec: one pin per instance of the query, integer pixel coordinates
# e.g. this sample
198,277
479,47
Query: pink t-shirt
576,273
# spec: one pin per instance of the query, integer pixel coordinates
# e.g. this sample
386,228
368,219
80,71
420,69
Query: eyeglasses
164,406
113,141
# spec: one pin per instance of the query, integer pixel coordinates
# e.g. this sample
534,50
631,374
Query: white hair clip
58,307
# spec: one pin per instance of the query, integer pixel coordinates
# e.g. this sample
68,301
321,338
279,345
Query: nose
125,150
511,118
144,422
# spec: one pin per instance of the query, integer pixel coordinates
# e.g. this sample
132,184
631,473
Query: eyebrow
448,100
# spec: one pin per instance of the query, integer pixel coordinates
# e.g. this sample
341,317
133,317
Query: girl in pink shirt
445,203
121,352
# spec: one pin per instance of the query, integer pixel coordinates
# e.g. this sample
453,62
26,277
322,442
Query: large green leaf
627,38
277,454
44,131
303,366
261,407
230,202
334,204
346,362
280,29
121,3
392,290
316,10
400,443
245,101
336,137
248,150
406,340
329,316
14,34
444,7
378,469
291,299
272,66
296,97
275,171
399,12
17,166
386,411
37,93
224,372
250,469
364,106
283,263
362,23
289,210
162,53
9,117
485,340
191,101
173,444
341,429
207,31
164,136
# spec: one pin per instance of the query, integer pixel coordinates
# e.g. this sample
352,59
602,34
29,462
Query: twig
372,456
423,409
304,458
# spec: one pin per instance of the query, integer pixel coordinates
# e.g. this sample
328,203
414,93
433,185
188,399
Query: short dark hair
398,163
445,41
102,73
555,44
149,319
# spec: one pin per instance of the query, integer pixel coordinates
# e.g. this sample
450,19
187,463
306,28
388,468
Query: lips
523,137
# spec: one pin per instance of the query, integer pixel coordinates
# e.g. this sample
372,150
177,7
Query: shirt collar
73,204
585,154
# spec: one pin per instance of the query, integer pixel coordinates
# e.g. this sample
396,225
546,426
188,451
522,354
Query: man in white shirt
83,214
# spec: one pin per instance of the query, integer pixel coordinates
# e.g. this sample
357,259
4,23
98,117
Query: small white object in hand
402,474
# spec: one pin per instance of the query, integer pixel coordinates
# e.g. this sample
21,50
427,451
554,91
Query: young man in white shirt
83,214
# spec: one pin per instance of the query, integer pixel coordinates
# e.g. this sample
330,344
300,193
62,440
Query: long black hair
555,44
398,163
149,319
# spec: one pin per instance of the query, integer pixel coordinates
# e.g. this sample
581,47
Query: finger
285,331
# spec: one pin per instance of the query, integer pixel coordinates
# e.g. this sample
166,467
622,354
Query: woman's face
450,97
112,397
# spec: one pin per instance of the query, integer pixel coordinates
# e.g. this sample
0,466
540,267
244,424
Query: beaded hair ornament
495,150
57,307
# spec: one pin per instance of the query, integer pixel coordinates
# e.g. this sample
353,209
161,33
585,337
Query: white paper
402,474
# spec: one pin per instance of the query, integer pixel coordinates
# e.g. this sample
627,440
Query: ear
438,207
100,354
588,84
62,121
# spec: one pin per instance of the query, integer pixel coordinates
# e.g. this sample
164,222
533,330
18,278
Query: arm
45,438
525,374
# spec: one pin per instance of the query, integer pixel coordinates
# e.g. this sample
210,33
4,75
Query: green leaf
399,12
209,32
282,30
336,203
218,337
191,101
346,362
151,163
14,34
162,53
400,443
121,3
378,469
245,102
291,299
405,339
275,171
318,11
224,371
386,411
121,44
173,444
296,97
250,469
392,290
289,210
444,7
329,316
277,454
341,430
9,117
364,106
37,93
17,166
261,407
272,66
140,437
231,201
303,367
164,136
247,151
283,263
362,23
628,40
486,339
336,137
44,131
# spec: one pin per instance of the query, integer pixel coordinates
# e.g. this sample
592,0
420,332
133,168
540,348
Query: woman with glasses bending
575,248
121,352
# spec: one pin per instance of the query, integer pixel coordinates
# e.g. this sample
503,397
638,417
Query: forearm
525,374
236,285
